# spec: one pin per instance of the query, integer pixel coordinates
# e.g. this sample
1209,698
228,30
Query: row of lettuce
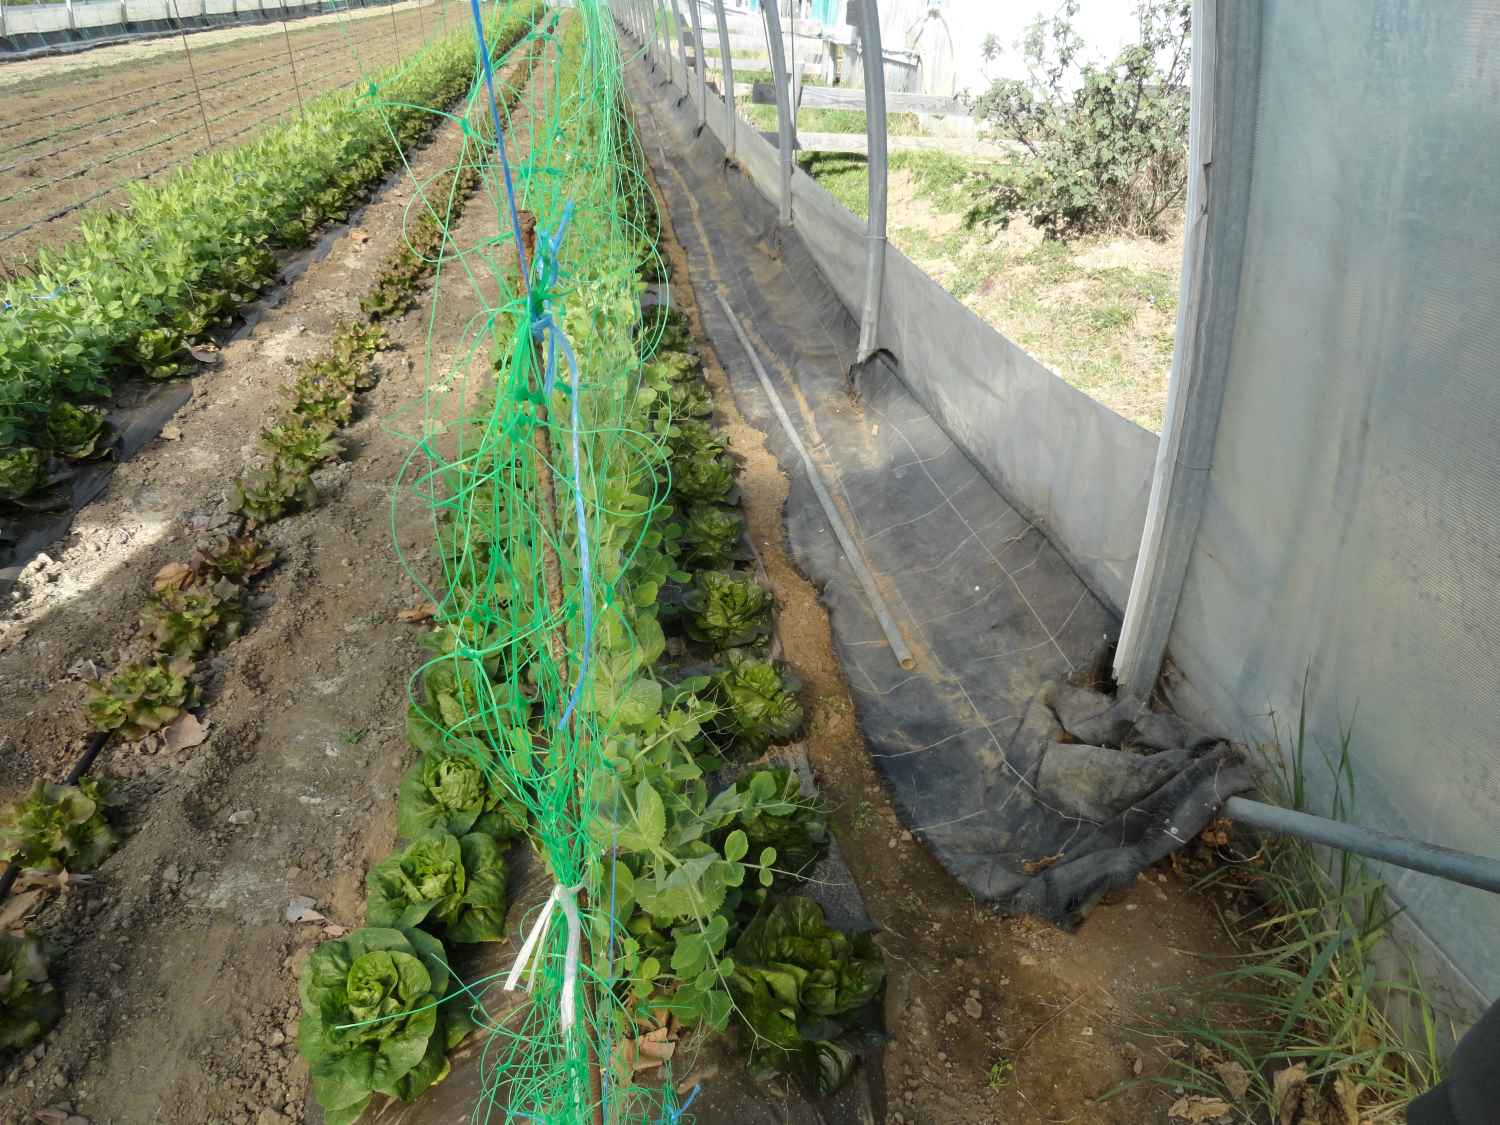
140,285
700,841
198,606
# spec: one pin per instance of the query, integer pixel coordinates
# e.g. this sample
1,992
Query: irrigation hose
91,750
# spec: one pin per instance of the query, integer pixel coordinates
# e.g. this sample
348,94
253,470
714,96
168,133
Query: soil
991,1019
75,130
177,963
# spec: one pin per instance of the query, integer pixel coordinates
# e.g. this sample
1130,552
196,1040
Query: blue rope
510,187
675,1115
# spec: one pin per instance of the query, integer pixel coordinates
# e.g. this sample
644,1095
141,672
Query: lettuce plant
302,440
712,538
20,473
76,432
183,621
29,1005
726,609
371,1023
266,494
758,703
798,984
450,793
454,885
59,827
238,558
140,698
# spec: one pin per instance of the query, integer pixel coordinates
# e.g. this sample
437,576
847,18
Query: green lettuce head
371,1021
454,885
799,985
759,703
727,609
29,1005
59,827
451,793
20,473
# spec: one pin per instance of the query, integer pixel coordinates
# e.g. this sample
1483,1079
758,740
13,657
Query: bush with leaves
140,698
795,974
1106,146
59,827
776,814
372,1021
455,886
29,1005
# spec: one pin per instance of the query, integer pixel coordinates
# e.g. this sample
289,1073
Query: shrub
1107,145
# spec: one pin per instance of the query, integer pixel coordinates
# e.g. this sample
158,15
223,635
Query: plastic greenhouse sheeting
1351,534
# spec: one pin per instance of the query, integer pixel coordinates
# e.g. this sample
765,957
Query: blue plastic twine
510,187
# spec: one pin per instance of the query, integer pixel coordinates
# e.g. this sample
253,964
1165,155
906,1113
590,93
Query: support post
659,11
786,121
875,134
1219,157
693,6
726,76
681,46
72,19
2,19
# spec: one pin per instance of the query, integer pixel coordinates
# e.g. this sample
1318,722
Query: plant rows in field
197,607
696,844
136,289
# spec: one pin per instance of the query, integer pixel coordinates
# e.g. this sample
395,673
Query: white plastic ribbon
568,897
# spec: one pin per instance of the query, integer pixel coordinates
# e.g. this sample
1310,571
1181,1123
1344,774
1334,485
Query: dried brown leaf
13,910
1199,1108
173,576
418,613
1236,1078
1285,1092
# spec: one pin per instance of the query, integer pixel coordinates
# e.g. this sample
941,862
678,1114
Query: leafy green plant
160,353
759,704
59,827
182,621
455,885
776,814
726,610
371,1021
700,468
267,493
238,558
29,1005
798,984
20,473
1106,145
712,538
323,394
76,432
140,698
302,440
450,793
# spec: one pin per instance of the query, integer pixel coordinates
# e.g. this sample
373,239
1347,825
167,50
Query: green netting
542,509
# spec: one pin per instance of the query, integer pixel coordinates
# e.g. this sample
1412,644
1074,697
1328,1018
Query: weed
864,815
1314,1034
1002,1074
353,736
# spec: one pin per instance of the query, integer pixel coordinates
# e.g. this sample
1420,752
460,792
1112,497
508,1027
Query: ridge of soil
176,962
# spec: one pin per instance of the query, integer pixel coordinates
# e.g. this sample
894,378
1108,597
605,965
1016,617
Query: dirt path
992,1019
179,983
74,131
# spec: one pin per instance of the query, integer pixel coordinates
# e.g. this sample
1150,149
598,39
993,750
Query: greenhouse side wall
1350,540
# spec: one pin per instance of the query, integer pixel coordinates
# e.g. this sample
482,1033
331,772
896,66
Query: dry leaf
300,909
173,576
171,433
183,732
360,235
1199,1108
1236,1078
646,1052
1037,866
418,613
14,910
1285,1085
334,930
1346,1094
204,355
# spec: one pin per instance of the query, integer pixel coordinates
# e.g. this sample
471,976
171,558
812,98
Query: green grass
1106,328
828,120
1307,985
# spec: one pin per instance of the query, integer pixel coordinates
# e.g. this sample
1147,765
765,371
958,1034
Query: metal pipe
786,121
841,532
875,134
726,76
1414,855
659,11
698,55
